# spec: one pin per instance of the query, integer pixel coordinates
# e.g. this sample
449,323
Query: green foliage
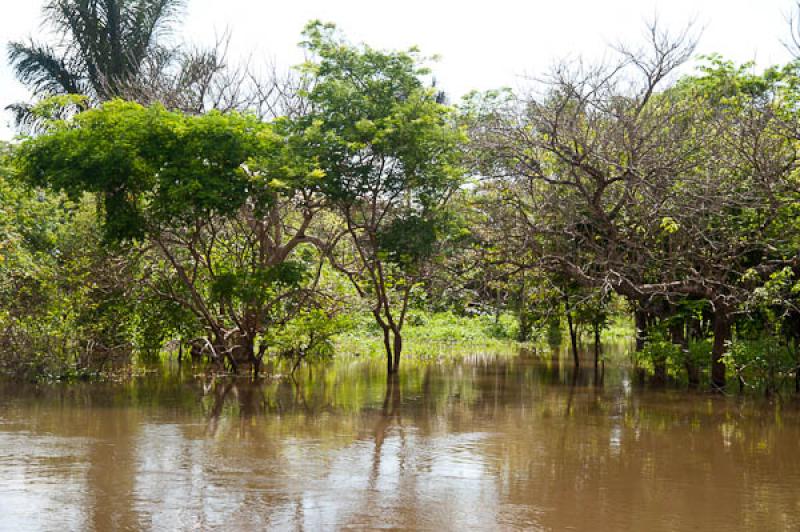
698,352
256,286
309,336
763,361
63,309
153,167
209,201
407,241
434,334
374,125
390,152
554,333
155,320
659,350
681,200
724,82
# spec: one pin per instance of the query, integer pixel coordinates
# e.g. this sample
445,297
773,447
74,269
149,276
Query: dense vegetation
163,201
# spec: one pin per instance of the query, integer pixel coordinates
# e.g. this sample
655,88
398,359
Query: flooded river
486,443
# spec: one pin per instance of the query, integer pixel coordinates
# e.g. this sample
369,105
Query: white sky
482,44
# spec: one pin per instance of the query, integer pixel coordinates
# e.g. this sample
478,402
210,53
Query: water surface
488,443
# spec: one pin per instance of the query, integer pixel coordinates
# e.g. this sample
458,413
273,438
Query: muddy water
481,444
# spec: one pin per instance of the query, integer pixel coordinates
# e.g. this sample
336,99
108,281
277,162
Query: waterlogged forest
163,202
236,296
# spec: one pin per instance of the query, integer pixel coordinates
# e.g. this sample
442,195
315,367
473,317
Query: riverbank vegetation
164,200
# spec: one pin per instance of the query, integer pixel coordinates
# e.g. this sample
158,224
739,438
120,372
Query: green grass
439,335
446,336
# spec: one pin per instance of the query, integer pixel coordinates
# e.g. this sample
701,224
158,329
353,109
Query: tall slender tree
390,153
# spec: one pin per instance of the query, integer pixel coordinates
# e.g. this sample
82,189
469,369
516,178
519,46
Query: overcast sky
482,44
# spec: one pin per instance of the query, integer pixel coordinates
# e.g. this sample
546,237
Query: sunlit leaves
374,126
152,167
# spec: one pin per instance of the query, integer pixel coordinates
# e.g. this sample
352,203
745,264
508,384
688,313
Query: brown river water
484,443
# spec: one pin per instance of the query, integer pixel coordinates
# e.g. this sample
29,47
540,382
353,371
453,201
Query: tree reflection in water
484,442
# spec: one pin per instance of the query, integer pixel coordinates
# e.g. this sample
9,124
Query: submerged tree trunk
643,320
221,354
245,348
573,337
660,362
398,349
659,371
258,359
722,334
596,345
640,318
794,344
678,334
387,345
234,366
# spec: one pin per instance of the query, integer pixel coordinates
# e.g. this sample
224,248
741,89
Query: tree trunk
387,345
679,337
296,364
659,364
258,361
596,345
573,337
232,362
398,349
797,372
694,329
722,334
795,343
659,371
677,333
640,317
248,350
220,354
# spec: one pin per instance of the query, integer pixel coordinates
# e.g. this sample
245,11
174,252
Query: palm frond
76,21
148,21
25,120
104,48
39,67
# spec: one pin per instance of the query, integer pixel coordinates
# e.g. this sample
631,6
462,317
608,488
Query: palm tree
104,48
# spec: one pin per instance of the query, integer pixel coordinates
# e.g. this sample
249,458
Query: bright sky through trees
481,44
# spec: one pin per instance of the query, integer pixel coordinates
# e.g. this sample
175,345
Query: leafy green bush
763,362
65,308
658,350
307,337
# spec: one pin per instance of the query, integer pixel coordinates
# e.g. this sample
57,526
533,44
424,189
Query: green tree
219,205
390,153
64,299
663,193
